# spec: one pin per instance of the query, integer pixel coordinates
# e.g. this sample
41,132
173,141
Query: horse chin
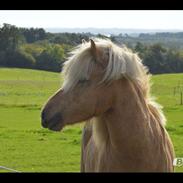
56,127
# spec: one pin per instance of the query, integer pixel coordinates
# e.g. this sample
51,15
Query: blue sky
100,19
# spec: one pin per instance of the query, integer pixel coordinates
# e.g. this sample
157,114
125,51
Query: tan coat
127,138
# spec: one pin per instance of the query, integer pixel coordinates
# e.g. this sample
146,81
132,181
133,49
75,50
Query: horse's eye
82,81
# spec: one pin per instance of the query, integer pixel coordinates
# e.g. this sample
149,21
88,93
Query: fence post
181,102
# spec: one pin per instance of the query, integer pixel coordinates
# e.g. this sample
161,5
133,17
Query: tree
10,38
32,35
140,49
51,58
155,58
20,59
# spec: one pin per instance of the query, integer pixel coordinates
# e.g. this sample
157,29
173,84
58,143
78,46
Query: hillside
26,146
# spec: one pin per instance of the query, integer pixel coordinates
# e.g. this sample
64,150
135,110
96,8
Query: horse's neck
126,122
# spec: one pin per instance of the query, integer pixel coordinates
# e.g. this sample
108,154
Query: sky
135,19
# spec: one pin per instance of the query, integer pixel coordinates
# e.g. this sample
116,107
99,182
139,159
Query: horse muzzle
55,123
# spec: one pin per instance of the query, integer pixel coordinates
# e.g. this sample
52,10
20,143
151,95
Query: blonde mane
122,62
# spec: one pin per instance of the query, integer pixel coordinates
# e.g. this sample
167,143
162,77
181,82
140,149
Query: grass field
27,147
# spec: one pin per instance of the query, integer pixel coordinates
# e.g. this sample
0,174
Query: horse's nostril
43,119
42,115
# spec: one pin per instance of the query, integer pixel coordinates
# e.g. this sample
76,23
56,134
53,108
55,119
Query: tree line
160,59
37,49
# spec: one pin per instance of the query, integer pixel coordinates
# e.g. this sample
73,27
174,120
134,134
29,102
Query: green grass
26,146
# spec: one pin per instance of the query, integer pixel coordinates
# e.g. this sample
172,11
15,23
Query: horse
107,86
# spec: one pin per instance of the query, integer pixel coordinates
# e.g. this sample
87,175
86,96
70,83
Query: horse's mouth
55,126
55,123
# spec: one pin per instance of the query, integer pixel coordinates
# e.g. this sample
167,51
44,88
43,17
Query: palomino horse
108,87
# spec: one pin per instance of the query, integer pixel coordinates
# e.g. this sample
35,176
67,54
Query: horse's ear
83,41
96,53
93,48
